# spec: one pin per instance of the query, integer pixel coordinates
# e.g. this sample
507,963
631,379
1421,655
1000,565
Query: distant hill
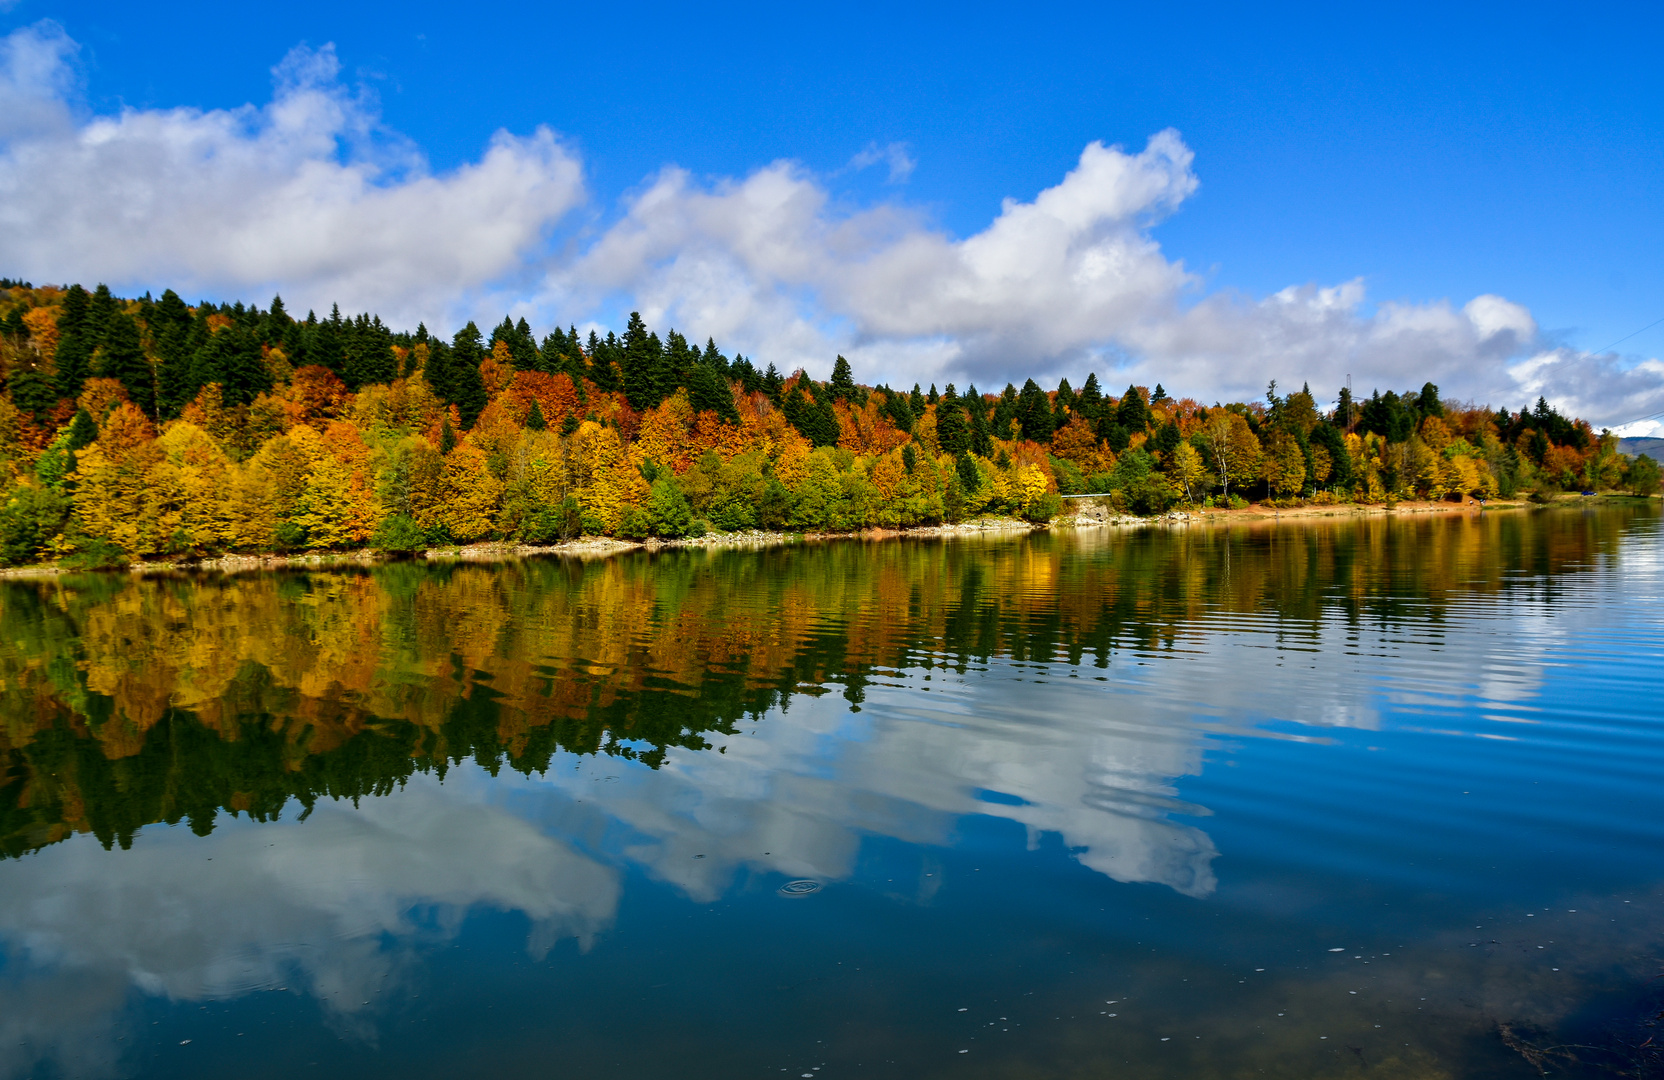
1652,447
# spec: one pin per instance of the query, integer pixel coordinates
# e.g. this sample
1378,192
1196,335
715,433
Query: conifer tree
1133,414
75,345
1034,413
843,381
123,359
952,431
642,358
707,389
1090,399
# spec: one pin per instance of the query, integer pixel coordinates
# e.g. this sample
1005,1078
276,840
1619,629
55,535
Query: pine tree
467,388
1133,414
642,358
123,359
707,389
534,419
75,344
82,431
952,432
843,381
1090,399
100,310
525,347
1034,413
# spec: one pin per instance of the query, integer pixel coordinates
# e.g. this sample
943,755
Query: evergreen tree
676,368
75,344
231,357
813,419
716,359
1112,433
642,358
843,381
467,387
82,431
276,323
100,310
1090,399
916,401
1034,413
899,409
606,362
170,331
525,347
982,436
1133,413
953,433
123,359
534,419
1333,439
33,392
440,370
1005,413
707,389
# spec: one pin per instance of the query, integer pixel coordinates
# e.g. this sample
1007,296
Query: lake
1326,798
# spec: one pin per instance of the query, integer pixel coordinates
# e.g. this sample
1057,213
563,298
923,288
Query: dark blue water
1317,799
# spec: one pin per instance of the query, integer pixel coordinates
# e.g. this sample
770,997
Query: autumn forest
150,429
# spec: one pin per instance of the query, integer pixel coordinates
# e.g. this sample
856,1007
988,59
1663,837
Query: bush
29,519
554,524
398,534
1045,507
665,514
97,555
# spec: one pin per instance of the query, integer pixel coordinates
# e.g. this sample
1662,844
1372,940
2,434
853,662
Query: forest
134,429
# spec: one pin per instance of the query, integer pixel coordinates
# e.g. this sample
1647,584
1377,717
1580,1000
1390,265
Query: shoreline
1088,516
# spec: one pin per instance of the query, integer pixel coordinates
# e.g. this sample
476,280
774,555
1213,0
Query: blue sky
1406,160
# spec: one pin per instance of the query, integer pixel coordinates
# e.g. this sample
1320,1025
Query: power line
1620,341
1626,337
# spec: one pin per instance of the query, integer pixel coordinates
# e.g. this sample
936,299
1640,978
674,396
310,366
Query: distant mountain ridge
1651,446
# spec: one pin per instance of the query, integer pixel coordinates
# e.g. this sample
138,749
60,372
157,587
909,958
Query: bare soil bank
1086,514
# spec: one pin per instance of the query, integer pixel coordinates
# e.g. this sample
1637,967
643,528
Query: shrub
398,534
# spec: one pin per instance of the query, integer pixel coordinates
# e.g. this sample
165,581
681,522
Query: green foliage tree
1643,476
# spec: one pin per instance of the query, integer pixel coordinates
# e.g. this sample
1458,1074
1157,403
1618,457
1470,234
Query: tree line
150,428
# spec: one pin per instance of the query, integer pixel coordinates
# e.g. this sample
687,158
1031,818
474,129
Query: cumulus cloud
311,195
307,194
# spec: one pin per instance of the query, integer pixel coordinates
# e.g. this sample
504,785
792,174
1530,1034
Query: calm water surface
1323,800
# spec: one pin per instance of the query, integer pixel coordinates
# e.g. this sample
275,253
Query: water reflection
701,719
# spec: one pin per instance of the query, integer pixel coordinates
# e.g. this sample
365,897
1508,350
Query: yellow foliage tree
471,494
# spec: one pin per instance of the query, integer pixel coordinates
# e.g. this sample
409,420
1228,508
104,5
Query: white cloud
307,194
311,195
895,155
